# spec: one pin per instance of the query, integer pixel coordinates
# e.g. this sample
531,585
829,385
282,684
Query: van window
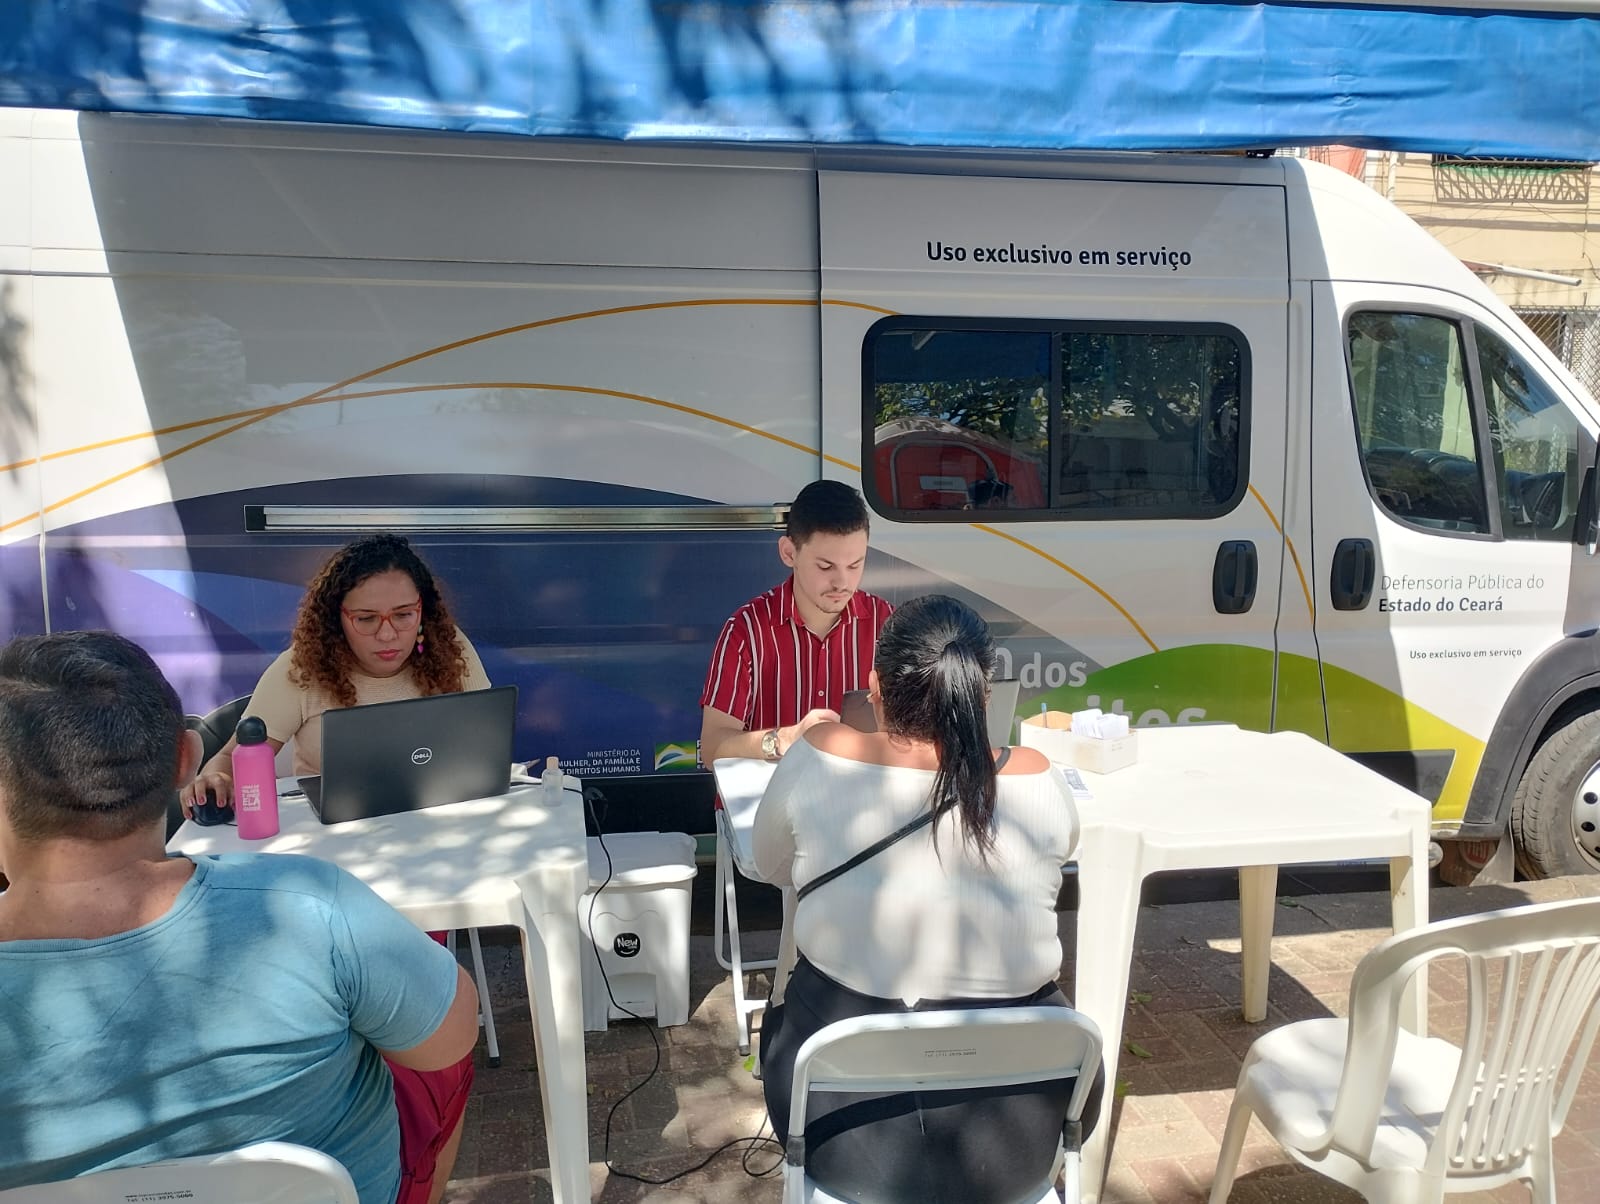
1151,421
1052,420
1415,421
1534,440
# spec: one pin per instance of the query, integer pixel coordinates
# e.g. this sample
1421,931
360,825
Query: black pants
977,1146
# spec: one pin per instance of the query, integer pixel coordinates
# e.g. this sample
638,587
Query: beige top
294,712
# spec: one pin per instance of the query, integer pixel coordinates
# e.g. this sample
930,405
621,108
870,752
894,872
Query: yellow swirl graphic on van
340,391
245,418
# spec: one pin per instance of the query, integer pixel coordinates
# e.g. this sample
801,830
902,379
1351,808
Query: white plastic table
502,860
1202,797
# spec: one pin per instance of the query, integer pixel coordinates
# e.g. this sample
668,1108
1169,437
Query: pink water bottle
255,782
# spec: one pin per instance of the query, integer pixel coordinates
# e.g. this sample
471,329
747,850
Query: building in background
1529,227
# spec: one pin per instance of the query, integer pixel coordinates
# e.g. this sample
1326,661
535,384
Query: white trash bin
640,928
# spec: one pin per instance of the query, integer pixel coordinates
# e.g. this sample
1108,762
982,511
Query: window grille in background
1574,335
1478,180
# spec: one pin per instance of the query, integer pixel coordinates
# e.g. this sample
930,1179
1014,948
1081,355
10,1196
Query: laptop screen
388,757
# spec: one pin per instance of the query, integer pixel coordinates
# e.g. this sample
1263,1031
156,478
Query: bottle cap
251,730
552,763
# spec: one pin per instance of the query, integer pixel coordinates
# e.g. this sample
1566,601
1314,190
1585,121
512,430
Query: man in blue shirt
158,1007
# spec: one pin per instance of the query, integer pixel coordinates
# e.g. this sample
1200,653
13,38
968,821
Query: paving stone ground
1184,1042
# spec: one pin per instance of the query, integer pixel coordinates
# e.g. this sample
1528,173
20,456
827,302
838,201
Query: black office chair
216,729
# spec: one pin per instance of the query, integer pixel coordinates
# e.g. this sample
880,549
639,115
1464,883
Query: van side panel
1114,612
1299,696
371,350
22,598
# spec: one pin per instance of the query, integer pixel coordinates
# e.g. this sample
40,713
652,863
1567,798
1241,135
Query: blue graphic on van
606,636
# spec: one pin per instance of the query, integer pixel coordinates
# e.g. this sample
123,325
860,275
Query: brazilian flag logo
675,758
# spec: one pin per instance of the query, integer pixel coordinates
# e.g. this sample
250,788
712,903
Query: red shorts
431,1104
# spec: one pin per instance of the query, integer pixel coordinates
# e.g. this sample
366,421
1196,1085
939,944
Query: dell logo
626,944
421,756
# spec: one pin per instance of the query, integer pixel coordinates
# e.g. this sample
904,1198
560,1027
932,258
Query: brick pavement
1184,1041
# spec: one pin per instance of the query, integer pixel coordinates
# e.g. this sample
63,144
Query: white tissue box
1050,734
1102,756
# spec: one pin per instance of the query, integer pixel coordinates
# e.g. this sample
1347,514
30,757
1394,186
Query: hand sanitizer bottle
255,782
550,781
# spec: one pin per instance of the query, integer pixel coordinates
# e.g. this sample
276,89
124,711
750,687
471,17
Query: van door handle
1233,577
1354,566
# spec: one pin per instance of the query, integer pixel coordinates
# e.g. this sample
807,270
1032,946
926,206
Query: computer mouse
208,814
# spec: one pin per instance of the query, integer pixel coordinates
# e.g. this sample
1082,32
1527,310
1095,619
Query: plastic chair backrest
946,1050
1001,714
271,1172
1533,979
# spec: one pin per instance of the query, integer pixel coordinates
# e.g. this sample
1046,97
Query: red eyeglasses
401,618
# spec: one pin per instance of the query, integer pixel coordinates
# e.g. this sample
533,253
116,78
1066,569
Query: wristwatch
769,745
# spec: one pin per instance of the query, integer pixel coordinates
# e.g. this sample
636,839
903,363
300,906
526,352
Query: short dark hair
826,508
90,733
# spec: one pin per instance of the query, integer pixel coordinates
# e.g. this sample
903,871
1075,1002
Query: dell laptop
388,757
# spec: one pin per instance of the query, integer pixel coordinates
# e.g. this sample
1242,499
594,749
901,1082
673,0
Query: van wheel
1555,816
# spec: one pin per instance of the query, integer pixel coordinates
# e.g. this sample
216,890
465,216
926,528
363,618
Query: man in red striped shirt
785,659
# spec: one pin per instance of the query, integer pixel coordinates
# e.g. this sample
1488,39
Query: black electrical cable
750,1144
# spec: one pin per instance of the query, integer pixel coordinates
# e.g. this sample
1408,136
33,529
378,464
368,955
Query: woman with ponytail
954,907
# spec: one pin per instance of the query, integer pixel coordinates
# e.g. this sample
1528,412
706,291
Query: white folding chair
727,905
944,1051
1404,1118
270,1172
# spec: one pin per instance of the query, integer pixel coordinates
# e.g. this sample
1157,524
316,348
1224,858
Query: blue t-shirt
249,1012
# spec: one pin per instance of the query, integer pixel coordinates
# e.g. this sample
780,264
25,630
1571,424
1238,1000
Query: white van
1205,438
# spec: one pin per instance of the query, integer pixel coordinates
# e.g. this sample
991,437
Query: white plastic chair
1404,1118
943,1051
270,1172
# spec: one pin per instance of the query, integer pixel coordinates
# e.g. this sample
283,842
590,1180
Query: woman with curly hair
372,627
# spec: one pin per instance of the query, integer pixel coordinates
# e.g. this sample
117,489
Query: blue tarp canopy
1513,78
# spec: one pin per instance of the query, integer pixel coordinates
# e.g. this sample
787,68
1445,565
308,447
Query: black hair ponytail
934,658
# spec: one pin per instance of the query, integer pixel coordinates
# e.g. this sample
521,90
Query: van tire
1544,812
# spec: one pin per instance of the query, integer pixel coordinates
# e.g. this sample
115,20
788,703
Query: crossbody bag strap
872,850
866,854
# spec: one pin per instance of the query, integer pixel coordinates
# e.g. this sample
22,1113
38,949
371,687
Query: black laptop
388,757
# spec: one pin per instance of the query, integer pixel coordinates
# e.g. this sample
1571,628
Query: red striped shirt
769,669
